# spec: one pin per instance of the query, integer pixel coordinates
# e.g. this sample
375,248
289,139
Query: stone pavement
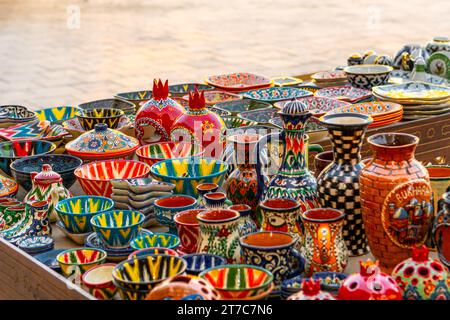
65,52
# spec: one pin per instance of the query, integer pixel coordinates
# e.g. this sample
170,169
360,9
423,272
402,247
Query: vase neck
396,154
294,152
347,143
245,154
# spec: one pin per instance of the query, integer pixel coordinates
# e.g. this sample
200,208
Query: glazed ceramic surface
440,183
99,281
77,238
8,187
187,173
48,258
185,88
246,221
138,98
366,76
57,115
75,262
36,244
167,207
148,251
232,122
344,93
441,230
204,188
413,90
215,96
396,199
276,94
164,240
62,164
329,282
311,291
260,116
75,129
155,152
286,81
16,114
376,109
236,107
317,105
439,64
41,130
240,81
76,212
199,262
95,177
90,117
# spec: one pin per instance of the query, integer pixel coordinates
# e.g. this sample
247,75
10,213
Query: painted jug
441,231
324,248
47,185
396,198
219,234
338,183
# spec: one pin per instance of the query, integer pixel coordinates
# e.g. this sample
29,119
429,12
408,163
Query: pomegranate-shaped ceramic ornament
200,126
156,116
369,284
422,278
311,291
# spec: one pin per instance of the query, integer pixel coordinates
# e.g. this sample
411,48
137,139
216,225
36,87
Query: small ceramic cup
204,188
322,160
215,200
99,281
188,229
247,224
273,251
166,208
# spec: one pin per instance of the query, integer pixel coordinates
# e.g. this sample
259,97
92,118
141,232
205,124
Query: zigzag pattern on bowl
57,114
155,240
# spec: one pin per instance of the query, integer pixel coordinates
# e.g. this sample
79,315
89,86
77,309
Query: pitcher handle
297,257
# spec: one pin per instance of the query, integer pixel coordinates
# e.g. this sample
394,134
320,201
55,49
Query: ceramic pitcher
47,185
219,234
324,247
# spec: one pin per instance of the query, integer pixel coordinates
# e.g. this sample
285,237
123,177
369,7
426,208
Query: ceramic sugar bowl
47,185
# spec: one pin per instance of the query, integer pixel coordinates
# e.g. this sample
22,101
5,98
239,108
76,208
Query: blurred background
59,52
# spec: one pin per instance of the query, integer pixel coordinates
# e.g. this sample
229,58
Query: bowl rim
177,243
135,252
387,69
102,258
110,212
147,146
78,171
215,256
194,160
80,113
50,155
183,208
58,209
52,147
101,284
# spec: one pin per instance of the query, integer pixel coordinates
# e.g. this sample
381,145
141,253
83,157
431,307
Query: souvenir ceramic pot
216,200
441,231
369,284
247,224
219,234
311,291
404,59
440,184
99,281
324,248
166,207
338,183
396,198
188,229
47,186
293,179
203,189
200,126
155,118
273,251
242,183
422,278
438,44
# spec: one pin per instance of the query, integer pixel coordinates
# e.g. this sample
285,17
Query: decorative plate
8,187
374,109
236,107
41,130
332,75
276,94
184,88
259,116
16,113
413,91
240,81
49,259
439,64
213,97
317,105
36,243
232,122
402,76
286,81
344,93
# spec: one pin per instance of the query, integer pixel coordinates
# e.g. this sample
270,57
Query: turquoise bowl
76,213
57,115
117,228
187,173
155,240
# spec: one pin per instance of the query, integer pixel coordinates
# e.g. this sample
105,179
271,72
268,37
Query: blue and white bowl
199,262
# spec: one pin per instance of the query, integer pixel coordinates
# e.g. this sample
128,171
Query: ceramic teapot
47,185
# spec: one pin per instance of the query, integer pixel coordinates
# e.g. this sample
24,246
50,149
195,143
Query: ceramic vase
396,198
47,185
441,231
338,183
324,248
200,126
247,224
219,234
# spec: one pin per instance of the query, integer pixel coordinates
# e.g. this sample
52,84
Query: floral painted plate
412,91
374,109
286,81
332,76
240,81
276,94
213,97
344,93
41,130
317,105
261,116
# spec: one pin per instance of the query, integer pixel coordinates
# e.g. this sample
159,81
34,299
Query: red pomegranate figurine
200,126
369,284
156,117
311,291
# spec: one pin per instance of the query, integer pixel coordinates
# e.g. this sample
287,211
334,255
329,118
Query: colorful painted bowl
89,118
95,177
185,88
155,240
40,130
76,212
16,114
199,262
232,122
240,81
187,173
238,281
260,116
188,229
127,107
36,244
117,228
75,129
366,76
99,281
213,97
344,93
236,107
147,272
130,294
155,152
440,184
152,251
167,207
63,164
8,187
75,262
57,115
138,98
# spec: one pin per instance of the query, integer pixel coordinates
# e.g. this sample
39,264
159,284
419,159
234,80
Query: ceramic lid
47,175
102,141
295,106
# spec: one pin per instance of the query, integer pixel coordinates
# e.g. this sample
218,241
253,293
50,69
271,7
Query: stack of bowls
36,244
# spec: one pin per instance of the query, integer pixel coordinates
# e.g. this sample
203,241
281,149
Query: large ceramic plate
276,94
240,81
413,90
317,105
344,93
375,109
402,76
413,101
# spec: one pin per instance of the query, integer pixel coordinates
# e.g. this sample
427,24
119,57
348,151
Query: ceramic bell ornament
47,185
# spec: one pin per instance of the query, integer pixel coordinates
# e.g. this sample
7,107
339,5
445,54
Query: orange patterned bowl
155,152
95,177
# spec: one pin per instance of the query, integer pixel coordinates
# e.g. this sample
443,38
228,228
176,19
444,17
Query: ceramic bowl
366,76
34,130
152,251
156,152
185,88
99,281
188,229
317,105
95,177
36,244
78,261
240,81
75,129
155,240
276,94
76,212
117,228
48,258
213,97
199,262
16,114
236,107
57,115
238,281
13,150
89,118
187,173
167,207
61,163
147,272
138,98
127,107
